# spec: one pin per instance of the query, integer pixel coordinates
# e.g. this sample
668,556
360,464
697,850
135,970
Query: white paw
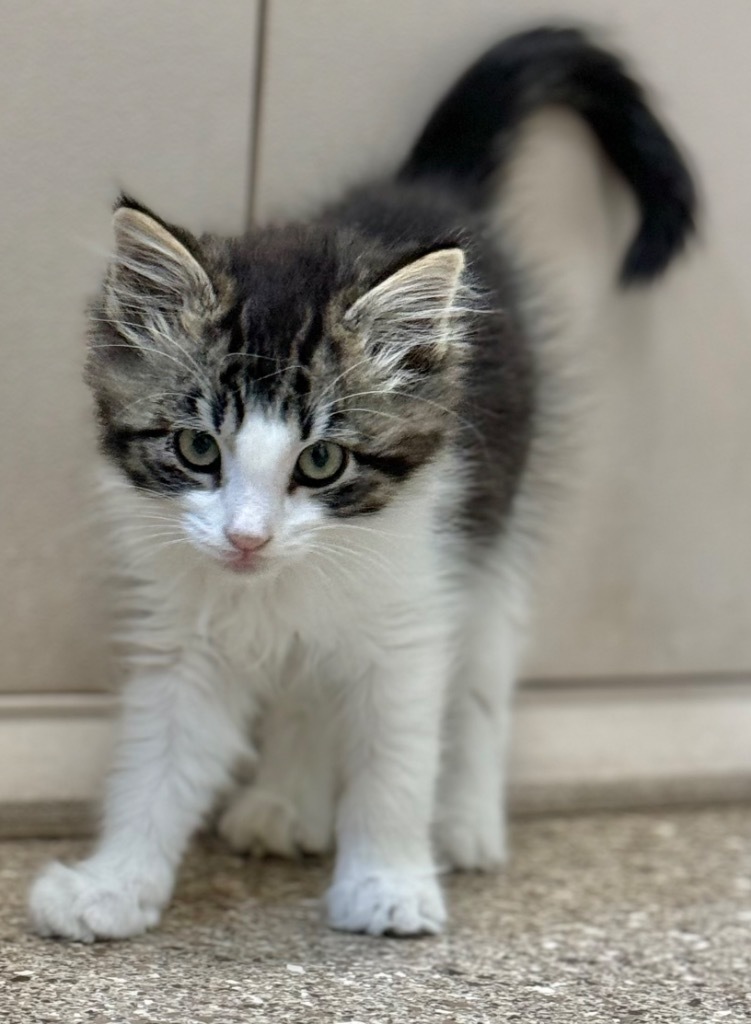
472,837
387,903
88,901
261,821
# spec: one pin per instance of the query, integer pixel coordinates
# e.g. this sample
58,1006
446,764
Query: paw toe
264,823
387,904
84,904
471,841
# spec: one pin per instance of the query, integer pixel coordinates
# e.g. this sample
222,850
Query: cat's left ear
412,311
154,265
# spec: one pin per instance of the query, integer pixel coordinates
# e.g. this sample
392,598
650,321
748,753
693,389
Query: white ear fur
413,306
144,248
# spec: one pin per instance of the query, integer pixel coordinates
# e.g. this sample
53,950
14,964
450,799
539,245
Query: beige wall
156,97
652,577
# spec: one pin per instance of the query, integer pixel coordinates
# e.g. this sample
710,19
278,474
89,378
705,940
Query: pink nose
247,542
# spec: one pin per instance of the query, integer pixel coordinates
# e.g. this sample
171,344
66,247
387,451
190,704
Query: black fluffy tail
469,134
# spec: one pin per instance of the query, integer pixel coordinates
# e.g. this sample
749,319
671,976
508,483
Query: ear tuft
146,251
155,276
411,310
428,283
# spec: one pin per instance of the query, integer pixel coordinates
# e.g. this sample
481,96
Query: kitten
329,448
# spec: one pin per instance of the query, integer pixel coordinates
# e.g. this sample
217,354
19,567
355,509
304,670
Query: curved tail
471,130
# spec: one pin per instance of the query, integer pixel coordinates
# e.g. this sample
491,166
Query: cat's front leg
181,730
385,879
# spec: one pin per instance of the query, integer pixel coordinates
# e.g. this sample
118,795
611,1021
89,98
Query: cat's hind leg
288,808
470,824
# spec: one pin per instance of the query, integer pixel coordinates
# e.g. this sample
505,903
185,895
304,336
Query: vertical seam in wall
257,107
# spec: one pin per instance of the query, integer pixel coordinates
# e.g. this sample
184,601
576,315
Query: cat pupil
320,456
202,444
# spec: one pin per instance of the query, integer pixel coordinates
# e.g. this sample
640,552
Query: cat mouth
246,562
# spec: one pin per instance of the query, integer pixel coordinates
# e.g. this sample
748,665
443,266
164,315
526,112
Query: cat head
261,388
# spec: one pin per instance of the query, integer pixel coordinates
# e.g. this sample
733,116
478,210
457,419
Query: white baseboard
576,745
631,743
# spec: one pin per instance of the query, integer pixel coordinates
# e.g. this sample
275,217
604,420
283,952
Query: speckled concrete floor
609,918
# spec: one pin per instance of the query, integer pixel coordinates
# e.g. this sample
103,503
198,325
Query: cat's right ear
155,268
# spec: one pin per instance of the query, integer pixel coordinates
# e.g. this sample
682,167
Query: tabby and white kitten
327,447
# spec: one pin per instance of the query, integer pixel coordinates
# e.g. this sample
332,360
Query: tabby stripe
312,339
395,466
232,323
128,434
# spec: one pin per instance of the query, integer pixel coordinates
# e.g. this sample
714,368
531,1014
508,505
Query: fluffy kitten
330,446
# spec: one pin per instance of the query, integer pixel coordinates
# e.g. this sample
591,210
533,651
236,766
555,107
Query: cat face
266,389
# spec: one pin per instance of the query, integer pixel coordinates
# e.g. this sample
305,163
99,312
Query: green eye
198,450
321,463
